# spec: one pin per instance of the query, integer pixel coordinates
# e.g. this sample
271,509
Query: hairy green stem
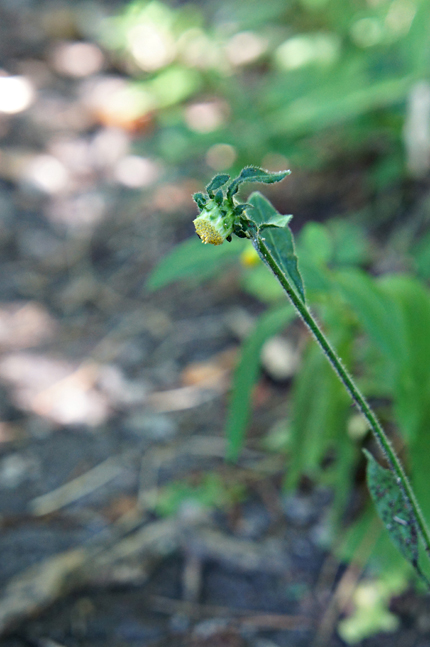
349,384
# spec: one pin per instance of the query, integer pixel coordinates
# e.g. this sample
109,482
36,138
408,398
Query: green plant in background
395,311
310,80
211,491
323,83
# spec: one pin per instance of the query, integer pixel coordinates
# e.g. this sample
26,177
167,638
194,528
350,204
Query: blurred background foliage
310,82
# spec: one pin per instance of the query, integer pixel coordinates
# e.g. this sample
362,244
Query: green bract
220,214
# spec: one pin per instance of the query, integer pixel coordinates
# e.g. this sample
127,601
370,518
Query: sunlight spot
173,197
221,156
24,324
47,174
416,131
74,153
80,212
134,171
245,47
109,146
369,612
55,389
400,16
205,117
151,46
77,59
16,94
116,102
322,49
197,50
275,162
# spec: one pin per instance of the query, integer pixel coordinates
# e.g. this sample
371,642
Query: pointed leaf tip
217,182
255,174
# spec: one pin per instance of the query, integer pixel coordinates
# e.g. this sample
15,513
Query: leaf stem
349,384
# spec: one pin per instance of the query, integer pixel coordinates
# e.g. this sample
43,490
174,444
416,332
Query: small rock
280,358
158,428
120,390
299,510
240,322
80,290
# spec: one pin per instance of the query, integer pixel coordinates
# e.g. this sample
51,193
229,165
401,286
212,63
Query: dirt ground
110,394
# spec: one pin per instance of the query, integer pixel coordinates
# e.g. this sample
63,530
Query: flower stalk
349,384
220,217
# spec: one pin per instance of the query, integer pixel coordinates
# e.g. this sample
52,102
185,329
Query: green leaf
315,249
349,242
281,246
320,408
260,211
412,389
255,174
336,101
246,375
191,259
392,508
279,240
316,243
277,221
420,253
217,182
413,299
263,285
377,312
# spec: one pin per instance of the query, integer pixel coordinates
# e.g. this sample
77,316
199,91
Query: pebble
299,510
158,428
280,358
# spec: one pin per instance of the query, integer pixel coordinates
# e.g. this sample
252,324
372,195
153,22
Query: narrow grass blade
246,375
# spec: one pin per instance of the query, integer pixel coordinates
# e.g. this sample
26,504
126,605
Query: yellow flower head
214,223
207,232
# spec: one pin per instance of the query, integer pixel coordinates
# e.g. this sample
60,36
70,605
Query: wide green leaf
191,259
314,248
246,375
376,311
277,238
412,396
392,508
412,389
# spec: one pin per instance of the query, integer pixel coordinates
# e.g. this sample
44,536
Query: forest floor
113,402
